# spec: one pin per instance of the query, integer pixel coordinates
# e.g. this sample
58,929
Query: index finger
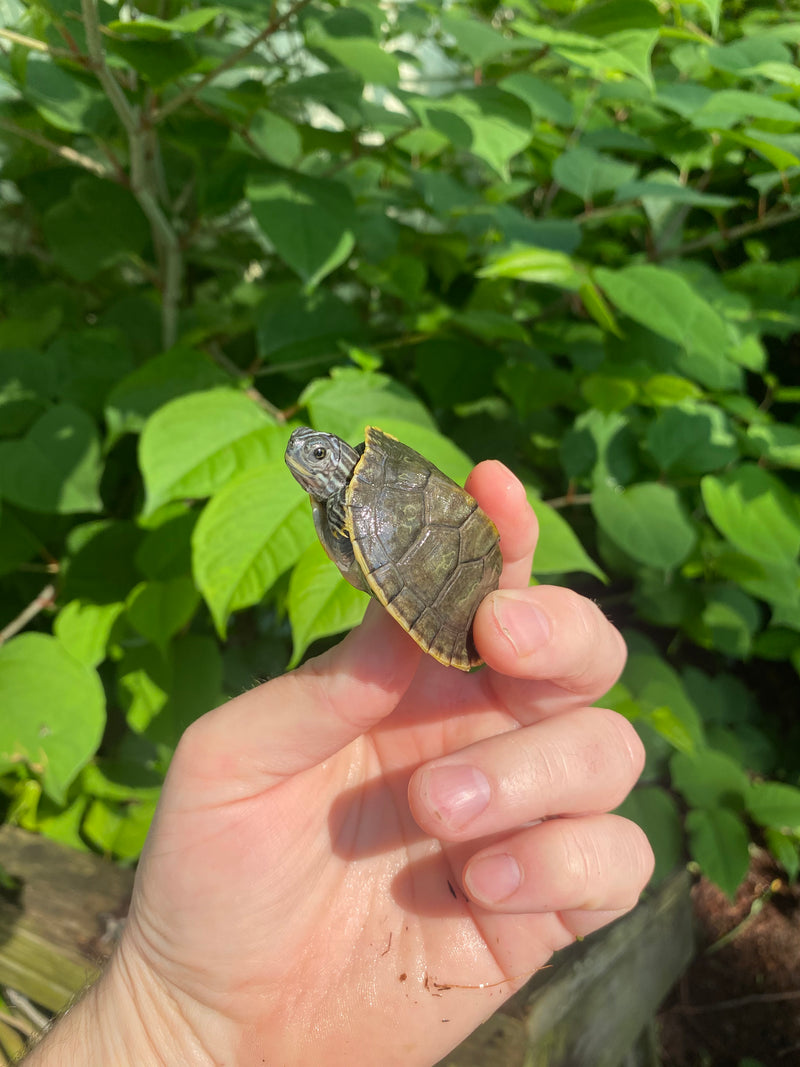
502,496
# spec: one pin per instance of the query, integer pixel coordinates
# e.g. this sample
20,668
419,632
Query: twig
33,44
236,57
43,600
62,150
568,501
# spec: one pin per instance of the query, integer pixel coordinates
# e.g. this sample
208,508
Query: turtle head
321,462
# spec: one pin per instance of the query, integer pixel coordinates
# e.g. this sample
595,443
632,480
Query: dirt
739,1002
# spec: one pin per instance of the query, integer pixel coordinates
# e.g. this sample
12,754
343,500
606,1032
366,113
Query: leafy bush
561,234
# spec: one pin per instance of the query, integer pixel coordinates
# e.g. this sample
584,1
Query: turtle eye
320,452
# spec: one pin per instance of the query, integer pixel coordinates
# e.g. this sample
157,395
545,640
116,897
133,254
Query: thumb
296,721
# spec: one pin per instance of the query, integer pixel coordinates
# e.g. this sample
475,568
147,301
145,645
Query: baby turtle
398,528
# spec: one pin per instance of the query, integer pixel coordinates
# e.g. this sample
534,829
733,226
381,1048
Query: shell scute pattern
424,546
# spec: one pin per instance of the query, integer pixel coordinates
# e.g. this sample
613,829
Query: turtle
400,529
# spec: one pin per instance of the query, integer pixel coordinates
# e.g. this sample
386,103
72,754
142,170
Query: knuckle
583,865
600,650
625,744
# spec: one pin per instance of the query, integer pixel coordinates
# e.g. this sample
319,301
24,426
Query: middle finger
584,761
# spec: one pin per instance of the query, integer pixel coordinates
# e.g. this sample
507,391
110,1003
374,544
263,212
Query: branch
226,64
97,58
62,150
143,185
44,600
768,222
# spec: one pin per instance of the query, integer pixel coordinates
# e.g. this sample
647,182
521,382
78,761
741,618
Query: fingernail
456,794
525,626
493,879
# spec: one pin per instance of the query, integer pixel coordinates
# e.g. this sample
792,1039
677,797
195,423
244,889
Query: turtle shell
427,551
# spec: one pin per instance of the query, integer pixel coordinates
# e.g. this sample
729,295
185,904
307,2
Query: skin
328,875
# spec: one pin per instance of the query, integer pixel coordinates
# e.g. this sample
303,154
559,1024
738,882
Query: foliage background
563,234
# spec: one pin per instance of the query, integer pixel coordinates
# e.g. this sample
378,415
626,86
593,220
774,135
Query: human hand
329,876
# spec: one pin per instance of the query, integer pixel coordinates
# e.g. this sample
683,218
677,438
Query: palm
306,850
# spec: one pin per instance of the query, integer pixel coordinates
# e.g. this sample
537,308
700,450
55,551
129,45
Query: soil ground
739,1002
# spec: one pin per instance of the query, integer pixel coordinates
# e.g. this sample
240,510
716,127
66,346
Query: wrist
126,1020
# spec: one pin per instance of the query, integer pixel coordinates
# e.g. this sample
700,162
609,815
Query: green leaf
626,51
718,841
249,533
774,804
777,442
586,173
159,609
351,399
647,521
83,629
144,682
195,444
64,99
476,40
539,265
150,28
709,779
293,325
544,100
100,557
162,378
97,225
657,813
119,830
27,381
786,850
672,728
88,363
673,191
348,36
53,711
665,390
662,695
195,687
558,550
692,437
608,393
712,9
275,138
665,302
320,601
755,511
604,17
56,467
727,107
782,152
309,221
17,542
488,123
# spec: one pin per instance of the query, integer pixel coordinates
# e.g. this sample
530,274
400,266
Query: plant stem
142,179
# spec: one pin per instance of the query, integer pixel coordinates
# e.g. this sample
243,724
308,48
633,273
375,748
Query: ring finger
594,863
